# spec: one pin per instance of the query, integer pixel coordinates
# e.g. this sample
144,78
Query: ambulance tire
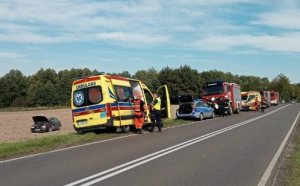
125,129
98,131
119,130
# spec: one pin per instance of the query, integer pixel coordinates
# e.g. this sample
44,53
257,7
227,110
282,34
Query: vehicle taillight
108,110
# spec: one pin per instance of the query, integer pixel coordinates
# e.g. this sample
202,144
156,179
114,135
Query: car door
207,109
199,108
165,101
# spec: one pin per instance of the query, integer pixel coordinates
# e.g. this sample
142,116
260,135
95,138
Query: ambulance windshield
244,97
87,96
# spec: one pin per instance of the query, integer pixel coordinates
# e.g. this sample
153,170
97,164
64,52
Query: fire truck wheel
230,112
201,117
238,110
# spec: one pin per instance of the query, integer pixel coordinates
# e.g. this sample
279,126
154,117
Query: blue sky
245,37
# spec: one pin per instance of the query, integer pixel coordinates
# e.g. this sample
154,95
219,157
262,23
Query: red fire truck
274,98
218,91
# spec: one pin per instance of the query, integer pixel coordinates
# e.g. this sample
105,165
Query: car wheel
201,117
213,114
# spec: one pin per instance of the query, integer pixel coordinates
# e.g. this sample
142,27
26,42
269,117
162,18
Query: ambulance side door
148,101
165,101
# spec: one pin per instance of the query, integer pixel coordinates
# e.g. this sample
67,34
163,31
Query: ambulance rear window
123,92
87,96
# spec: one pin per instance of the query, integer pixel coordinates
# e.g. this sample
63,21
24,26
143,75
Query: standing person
139,111
256,104
263,105
156,109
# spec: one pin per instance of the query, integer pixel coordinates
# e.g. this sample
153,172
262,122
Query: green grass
48,143
293,165
44,144
174,122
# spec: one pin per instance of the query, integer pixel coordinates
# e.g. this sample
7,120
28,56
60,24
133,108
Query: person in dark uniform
156,110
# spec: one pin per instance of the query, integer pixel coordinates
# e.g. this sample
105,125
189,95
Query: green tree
183,80
149,77
43,88
281,83
13,89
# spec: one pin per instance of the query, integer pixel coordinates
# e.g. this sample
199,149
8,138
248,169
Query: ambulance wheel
125,129
118,130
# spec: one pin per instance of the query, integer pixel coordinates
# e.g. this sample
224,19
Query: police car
193,109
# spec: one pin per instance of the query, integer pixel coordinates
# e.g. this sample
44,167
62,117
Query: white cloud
148,22
11,55
132,37
145,22
285,19
212,2
284,43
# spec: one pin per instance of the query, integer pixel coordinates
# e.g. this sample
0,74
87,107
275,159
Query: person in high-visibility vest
156,109
139,112
256,104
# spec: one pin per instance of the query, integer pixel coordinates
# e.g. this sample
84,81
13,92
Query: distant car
193,109
293,101
43,124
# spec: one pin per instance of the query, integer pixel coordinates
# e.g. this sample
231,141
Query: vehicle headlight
43,126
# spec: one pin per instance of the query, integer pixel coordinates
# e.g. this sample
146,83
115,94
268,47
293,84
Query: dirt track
15,126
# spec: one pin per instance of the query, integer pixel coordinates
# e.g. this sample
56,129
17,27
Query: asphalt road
231,151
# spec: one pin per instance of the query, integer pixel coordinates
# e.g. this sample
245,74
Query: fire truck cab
274,98
218,91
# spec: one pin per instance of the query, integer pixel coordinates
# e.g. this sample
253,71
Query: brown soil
15,126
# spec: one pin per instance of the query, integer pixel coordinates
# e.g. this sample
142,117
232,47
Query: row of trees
49,88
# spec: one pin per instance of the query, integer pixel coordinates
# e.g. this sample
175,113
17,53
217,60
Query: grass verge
48,143
293,165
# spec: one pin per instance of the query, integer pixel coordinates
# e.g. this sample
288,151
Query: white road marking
90,180
273,162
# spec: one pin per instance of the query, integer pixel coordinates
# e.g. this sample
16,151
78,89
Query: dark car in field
43,124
